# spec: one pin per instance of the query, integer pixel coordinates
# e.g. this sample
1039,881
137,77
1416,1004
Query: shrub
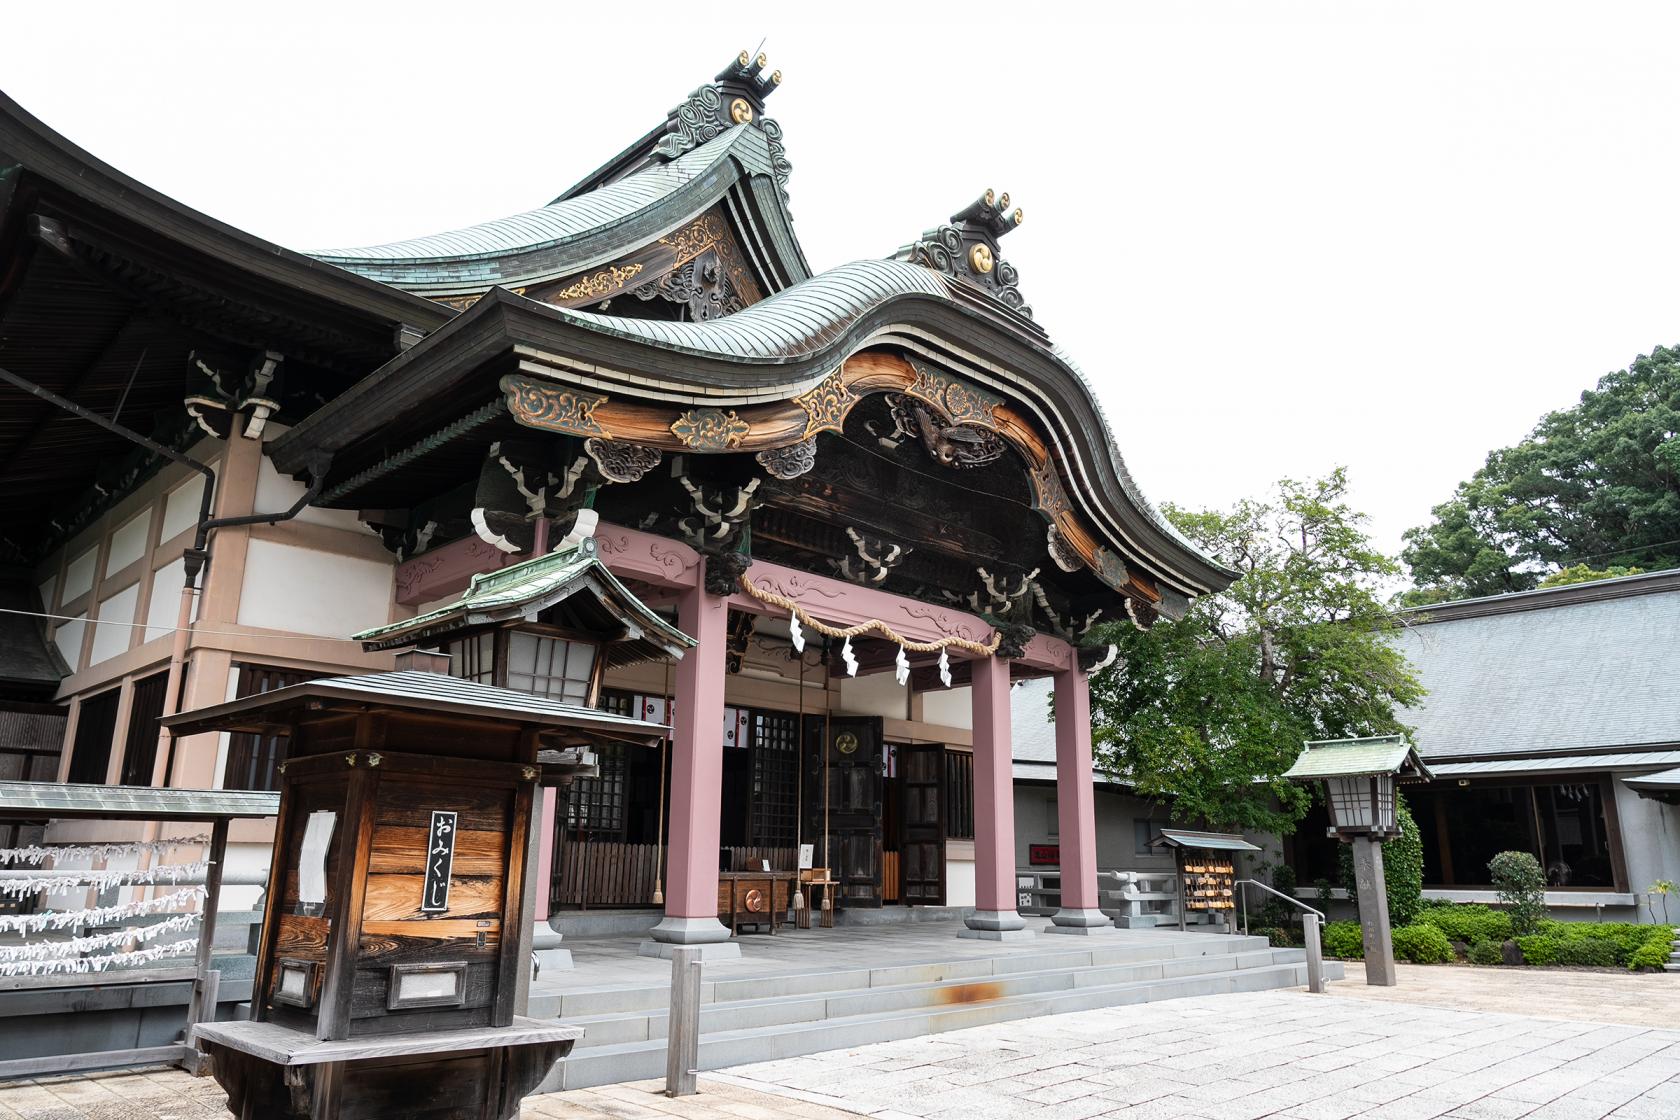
1487,952
1276,936
1344,939
1521,886
1402,868
1422,944
1539,949
1589,951
1653,951
1468,922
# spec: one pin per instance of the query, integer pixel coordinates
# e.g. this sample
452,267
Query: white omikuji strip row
101,915
101,880
98,942
82,965
35,855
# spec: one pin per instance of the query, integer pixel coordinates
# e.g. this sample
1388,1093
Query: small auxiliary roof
1354,758
411,691
66,800
1207,841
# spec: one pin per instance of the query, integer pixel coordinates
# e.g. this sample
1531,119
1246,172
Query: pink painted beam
994,917
1075,805
545,851
696,775
447,569
840,604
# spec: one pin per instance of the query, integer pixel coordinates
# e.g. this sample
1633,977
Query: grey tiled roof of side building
1589,672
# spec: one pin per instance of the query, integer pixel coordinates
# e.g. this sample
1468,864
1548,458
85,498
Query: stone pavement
1599,996
1275,1055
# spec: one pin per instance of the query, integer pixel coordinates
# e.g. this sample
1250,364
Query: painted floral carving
826,405
790,461
710,429
551,407
622,462
961,402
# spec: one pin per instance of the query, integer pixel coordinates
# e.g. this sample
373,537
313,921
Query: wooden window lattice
775,778
959,795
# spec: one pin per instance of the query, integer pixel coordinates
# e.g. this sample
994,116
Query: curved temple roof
580,232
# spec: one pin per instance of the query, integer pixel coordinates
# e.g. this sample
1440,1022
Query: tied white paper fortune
312,861
945,668
100,915
80,946
35,855
849,658
902,666
81,965
796,632
103,880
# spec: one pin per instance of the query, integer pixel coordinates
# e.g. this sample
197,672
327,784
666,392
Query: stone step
637,1060
609,1000
741,1014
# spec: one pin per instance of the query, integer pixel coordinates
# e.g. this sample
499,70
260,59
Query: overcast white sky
1280,237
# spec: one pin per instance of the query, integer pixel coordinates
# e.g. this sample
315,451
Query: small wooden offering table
754,898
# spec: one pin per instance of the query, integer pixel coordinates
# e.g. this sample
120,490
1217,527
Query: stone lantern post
1359,777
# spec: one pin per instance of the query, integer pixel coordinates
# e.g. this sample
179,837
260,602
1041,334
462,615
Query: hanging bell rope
874,625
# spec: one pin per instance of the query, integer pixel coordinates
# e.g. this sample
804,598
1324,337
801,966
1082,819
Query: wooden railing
603,873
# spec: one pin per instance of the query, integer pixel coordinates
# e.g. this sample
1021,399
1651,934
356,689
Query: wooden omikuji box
392,957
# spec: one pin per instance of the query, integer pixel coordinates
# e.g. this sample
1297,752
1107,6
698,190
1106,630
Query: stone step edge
1036,1004
1280,957
1042,962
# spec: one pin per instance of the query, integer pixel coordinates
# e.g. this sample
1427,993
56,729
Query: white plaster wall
310,592
1650,841
68,638
180,508
128,543
1115,813
78,574
878,694
113,636
276,492
165,601
48,587
949,707
959,882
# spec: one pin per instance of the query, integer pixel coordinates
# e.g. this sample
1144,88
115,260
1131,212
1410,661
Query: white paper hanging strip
35,855
902,664
100,915
102,880
796,632
849,658
945,666
80,965
80,946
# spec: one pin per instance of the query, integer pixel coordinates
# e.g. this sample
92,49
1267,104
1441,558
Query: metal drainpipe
195,557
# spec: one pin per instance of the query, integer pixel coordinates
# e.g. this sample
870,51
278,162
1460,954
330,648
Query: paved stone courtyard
1276,1055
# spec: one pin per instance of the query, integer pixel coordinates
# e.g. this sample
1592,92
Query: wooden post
1373,911
202,1008
682,1032
1315,953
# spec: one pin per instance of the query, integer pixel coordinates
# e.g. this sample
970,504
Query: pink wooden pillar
1075,806
994,917
696,783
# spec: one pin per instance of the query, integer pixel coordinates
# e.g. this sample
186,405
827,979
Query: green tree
1209,711
1597,483
1583,573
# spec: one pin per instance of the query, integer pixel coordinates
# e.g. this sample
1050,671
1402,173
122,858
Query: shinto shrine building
857,503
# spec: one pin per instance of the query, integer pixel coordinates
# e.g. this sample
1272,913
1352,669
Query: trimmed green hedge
1344,940
1422,944
1597,944
1467,922
1581,944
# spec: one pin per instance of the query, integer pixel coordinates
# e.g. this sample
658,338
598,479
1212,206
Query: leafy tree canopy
1596,484
1209,711
1585,573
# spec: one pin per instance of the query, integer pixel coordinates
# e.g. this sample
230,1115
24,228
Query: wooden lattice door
847,767
922,844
